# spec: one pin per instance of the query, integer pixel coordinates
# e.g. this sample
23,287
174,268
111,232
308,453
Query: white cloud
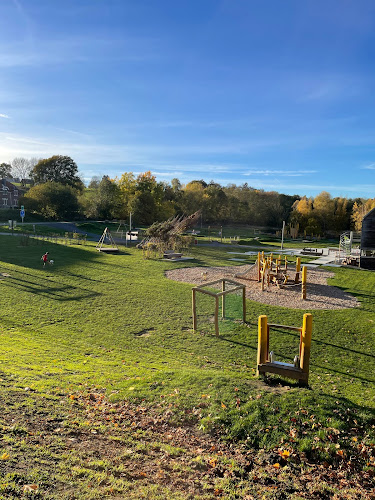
3,115
369,167
282,173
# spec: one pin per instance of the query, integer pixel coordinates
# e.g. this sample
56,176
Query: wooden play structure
275,272
268,270
300,368
106,243
216,295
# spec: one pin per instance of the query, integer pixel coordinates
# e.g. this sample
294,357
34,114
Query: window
5,202
15,192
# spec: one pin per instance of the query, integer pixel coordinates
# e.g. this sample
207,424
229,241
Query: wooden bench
170,254
311,251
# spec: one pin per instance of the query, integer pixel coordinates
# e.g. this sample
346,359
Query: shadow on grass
13,253
60,293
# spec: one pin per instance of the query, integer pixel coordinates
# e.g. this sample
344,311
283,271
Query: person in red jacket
45,258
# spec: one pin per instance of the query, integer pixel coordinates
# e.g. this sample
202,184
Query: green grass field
94,332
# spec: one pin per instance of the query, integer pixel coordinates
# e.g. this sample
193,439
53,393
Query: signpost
22,212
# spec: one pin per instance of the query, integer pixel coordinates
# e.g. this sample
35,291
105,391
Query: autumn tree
360,209
324,209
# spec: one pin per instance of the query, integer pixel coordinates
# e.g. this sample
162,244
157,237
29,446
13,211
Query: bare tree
21,167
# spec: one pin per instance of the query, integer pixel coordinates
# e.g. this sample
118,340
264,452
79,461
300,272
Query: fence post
306,343
298,269
304,281
217,316
244,304
223,299
262,340
259,273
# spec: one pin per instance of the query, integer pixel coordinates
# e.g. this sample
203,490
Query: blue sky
278,93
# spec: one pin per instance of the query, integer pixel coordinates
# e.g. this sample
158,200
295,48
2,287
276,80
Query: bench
311,251
170,254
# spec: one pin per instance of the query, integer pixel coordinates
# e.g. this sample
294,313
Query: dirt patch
79,443
320,295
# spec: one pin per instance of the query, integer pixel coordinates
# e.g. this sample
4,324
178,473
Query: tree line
57,192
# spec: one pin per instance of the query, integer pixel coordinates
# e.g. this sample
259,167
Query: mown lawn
80,338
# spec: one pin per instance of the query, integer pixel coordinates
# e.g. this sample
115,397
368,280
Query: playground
106,389
320,295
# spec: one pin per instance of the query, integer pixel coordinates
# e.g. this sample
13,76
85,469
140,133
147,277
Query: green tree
52,200
60,169
127,184
102,200
5,170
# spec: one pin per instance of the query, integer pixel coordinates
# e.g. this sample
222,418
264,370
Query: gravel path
320,295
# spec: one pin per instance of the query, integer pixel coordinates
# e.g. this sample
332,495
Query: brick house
9,194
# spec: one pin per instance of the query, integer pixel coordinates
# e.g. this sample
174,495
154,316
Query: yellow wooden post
286,263
304,281
306,344
244,304
262,341
223,299
194,308
298,269
259,269
265,266
217,316
271,261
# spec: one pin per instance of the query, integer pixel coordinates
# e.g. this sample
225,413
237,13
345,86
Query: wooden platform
283,369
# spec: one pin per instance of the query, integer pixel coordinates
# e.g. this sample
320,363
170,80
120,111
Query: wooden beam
306,344
212,294
210,283
244,305
223,299
285,327
283,369
304,282
240,287
262,341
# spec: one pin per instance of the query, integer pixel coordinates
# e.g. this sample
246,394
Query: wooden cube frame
301,373
217,295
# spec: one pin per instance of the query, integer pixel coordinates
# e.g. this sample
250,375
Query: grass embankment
94,330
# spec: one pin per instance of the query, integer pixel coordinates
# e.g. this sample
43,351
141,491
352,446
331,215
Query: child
45,258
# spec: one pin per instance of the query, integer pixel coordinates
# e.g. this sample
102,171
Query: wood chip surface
320,295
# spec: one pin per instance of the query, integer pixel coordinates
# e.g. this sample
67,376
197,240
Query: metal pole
282,235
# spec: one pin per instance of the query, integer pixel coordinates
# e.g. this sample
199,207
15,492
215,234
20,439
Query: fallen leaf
5,456
28,488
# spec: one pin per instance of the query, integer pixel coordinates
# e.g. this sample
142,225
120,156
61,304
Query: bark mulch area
320,295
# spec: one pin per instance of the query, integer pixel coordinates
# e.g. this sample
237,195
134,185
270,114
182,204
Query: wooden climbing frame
265,365
217,295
